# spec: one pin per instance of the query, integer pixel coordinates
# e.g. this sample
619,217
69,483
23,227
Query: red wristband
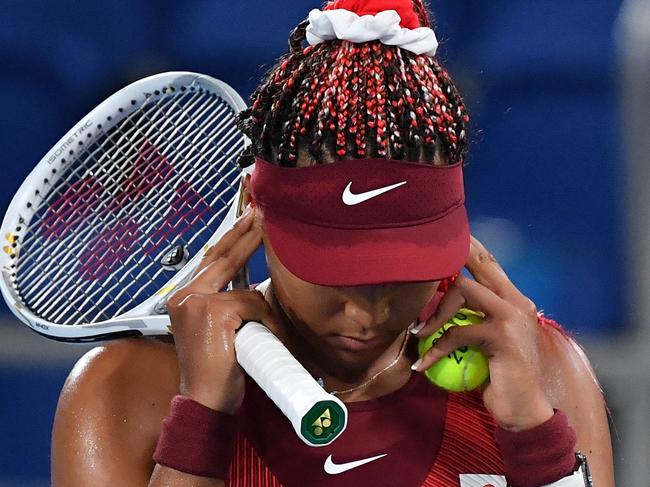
539,456
196,439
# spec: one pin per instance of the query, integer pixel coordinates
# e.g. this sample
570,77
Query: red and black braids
340,100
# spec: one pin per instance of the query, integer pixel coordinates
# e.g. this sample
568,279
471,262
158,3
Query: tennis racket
119,213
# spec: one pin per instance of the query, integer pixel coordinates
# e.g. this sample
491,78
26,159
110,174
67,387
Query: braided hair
340,100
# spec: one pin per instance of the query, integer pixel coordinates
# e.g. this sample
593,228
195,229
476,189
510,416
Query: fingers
222,261
226,310
204,332
454,338
243,225
220,269
486,270
491,293
467,293
240,306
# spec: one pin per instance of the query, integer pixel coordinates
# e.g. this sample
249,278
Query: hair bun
404,8
392,22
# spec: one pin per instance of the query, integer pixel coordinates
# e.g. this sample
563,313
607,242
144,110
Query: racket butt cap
323,423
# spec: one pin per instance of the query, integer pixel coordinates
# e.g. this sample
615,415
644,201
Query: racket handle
317,417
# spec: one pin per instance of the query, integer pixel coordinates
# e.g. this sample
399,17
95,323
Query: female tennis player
359,138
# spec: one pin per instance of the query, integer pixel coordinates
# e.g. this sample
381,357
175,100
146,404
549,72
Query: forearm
168,477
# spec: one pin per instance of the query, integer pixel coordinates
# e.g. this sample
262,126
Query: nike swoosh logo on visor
334,469
351,199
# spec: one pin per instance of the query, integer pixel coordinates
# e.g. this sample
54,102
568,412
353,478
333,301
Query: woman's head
398,111
340,100
346,327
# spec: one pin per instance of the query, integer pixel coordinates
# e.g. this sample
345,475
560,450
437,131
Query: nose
368,306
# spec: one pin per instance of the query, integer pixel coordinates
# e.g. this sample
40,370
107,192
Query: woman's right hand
204,320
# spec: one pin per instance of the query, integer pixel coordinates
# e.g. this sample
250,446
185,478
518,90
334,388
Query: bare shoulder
573,387
109,412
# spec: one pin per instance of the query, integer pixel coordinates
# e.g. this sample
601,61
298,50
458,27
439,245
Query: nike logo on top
351,199
334,469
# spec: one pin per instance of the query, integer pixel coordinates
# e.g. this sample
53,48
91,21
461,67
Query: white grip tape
265,358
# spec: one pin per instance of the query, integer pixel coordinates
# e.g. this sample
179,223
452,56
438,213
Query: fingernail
416,329
416,365
247,211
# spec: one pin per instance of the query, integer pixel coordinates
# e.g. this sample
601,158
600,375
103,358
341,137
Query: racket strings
139,211
109,145
61,242
50,276
90,226
100,254
109,208
137,277
64,188
136,294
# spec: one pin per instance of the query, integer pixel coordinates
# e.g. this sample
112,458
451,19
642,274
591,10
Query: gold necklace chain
392,364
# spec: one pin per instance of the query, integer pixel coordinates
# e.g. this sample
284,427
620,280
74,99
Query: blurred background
557,180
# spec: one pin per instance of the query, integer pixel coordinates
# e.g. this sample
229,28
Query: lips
355,344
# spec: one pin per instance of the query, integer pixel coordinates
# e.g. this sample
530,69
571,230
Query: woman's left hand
509,336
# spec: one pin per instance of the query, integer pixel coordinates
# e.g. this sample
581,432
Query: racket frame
143,319
290,386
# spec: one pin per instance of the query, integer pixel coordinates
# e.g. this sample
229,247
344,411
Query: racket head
154,166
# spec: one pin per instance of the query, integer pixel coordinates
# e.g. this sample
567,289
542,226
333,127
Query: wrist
528,420
197,440
215,401
538,456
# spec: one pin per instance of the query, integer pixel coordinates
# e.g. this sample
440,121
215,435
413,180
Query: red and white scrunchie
393,22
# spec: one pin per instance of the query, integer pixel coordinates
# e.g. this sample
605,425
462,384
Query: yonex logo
322,423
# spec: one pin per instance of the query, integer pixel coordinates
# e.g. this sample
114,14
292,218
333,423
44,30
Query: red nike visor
365,221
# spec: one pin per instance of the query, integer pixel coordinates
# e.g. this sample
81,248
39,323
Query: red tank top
428,438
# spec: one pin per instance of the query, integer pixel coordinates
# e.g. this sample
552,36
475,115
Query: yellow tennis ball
465,368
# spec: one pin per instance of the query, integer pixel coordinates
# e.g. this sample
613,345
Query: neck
387,379
391,370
